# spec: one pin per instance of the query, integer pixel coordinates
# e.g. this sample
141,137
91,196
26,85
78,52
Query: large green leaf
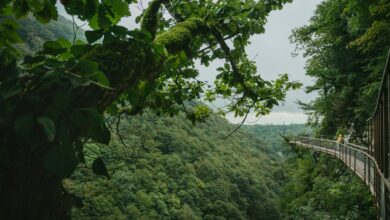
93,36
53,48
120,7
48,13
91,8
103,21
48,127
61,160
88,66
100,78
98,130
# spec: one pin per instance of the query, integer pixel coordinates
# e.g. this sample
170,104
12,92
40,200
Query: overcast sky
272,53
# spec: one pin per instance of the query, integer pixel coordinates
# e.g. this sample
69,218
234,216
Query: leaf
183,56
77,50
101,79
120,7
20,8
91,8
99,167
48,12
102,19
64,42
87,66
93,22
93,36
9,27
48,127
53,48
61,160
36,5
98,130
119,30
23,125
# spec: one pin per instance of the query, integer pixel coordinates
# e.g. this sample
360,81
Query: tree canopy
346,44
54,100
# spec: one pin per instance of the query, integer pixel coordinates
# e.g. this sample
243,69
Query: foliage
274,135
318,187
346,43
35,34
58,104
52,101
171,169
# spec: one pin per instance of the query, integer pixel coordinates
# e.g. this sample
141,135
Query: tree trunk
28,191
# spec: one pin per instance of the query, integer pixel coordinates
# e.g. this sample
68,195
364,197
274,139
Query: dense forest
107,123
346,43
171,169
316,186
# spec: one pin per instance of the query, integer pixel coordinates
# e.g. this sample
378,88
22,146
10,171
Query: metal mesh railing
358,159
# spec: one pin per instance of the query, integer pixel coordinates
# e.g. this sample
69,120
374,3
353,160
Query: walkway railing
358,159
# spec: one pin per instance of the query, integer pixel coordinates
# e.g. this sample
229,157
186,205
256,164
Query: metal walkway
354,156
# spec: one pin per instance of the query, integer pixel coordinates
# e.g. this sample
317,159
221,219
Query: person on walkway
340,139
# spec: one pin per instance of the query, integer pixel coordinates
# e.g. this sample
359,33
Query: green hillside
35,34
272,134
171,169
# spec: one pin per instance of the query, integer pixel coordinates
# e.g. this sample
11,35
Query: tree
53,101
346,44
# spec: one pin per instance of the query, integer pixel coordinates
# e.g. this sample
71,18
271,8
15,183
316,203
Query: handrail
357,146
378,183
386,72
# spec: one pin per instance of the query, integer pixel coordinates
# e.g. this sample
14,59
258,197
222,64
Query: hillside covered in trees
65,154
171,169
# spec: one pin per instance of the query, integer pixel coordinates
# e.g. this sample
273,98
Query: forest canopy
66,99
346,43
55,100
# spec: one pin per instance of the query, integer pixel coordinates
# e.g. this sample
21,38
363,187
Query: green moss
177,38
150,18
118,59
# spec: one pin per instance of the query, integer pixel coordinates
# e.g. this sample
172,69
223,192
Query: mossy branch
178,37
150,18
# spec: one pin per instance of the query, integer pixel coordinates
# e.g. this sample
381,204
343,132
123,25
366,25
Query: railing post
354,162
326,146
350,156
345,154
369,171
340,152
385,131
364,171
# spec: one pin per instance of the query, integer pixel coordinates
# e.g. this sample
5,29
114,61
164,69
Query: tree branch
241,123
230,58
150,18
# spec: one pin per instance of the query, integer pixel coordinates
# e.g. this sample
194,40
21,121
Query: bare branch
240,124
